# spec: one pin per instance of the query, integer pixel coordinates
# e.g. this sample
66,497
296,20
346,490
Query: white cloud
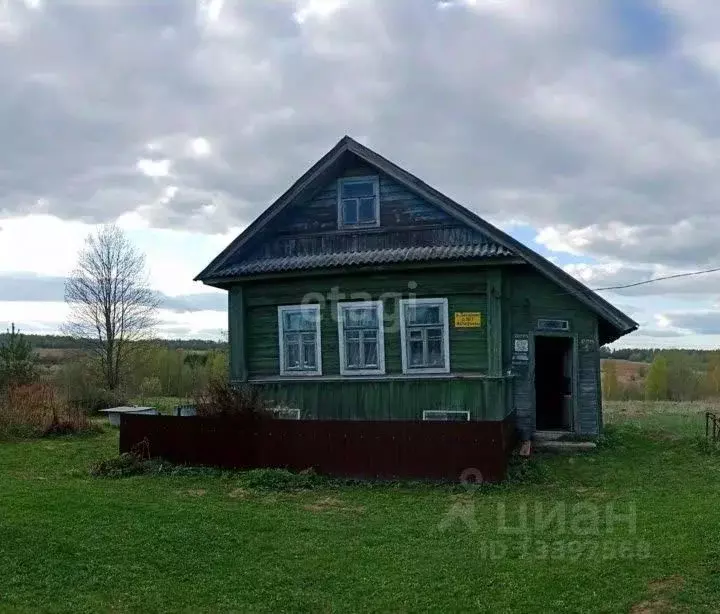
154,168
194,115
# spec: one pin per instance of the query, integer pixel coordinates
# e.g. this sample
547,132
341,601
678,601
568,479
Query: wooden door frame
574,374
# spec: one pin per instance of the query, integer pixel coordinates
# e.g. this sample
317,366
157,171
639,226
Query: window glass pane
358,189
434,333
350,211
309,354
352,353
364,317
435,353
371,359
292,356
302,319
366,211
416,335
415,353
423,314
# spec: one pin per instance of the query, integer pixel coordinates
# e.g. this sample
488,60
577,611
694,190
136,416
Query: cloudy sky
586,128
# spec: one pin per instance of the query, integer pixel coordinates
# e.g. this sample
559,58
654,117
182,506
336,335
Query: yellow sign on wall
468,319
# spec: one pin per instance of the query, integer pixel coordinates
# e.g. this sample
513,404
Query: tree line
649,354
673,375
152,370
66,342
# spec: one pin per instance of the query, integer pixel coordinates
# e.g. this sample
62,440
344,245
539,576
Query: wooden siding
517,298
465,291
531,297
311,227
394,396
390,399
398,208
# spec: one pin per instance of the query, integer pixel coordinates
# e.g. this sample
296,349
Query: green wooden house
363,293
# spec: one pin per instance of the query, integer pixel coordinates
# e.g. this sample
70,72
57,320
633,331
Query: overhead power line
655,279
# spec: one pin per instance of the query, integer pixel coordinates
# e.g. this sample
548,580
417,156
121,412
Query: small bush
526,471
119,466
281,479
130,463
222,399
36,410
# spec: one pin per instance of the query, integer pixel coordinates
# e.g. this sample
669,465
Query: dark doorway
553,383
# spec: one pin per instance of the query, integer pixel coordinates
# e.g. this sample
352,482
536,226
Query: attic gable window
358,202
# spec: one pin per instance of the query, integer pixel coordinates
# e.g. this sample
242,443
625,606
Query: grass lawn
72,543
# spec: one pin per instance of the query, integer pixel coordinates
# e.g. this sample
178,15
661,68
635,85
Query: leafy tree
656,383
682,376
711,384
610,384
18,361
218,366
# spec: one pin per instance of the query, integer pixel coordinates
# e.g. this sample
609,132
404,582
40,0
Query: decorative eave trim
223,282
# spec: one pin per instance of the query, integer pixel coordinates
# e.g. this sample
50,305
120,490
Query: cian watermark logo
545,530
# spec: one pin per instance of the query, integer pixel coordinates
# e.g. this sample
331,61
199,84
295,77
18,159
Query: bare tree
111,303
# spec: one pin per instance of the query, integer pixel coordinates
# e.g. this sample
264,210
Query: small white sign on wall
521,345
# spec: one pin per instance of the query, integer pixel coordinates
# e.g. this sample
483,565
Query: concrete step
550,435
563,447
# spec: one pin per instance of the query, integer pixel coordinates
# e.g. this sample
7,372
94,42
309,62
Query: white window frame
428,415
375,180
378,305
443,303
293,412
282,309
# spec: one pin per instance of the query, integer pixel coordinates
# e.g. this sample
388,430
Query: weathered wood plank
237,334
494,321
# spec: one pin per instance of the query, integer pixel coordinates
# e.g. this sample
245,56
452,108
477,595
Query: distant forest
61,342
649,354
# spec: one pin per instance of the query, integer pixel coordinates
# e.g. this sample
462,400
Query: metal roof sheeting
381,256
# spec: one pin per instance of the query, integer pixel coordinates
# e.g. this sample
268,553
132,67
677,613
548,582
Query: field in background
628,372
210,542
673,419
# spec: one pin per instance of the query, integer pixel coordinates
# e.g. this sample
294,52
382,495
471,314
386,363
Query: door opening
553,383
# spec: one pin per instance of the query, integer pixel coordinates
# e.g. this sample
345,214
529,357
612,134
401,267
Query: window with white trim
424,335
358,202
439,415
285,413
361,335
299,331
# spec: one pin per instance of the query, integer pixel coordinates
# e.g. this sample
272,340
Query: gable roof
500,243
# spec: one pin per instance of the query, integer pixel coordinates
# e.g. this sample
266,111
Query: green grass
667,417
211,543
